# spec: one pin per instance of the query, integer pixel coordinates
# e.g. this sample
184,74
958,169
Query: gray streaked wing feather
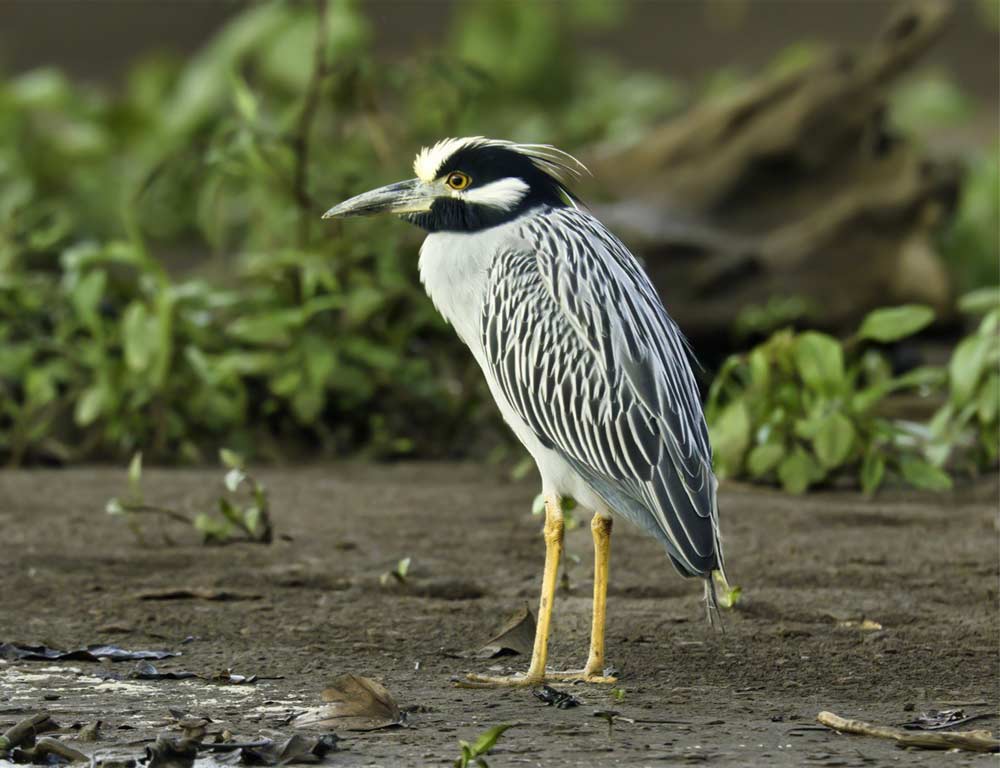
584,351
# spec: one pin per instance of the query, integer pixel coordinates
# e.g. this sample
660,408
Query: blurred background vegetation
166,284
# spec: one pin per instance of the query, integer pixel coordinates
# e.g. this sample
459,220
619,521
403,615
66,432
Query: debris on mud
145,670
171,752
228,676
970,741
934,720
353,703
556,698
515,638
612,716
18,652
196,593
295,749
23,743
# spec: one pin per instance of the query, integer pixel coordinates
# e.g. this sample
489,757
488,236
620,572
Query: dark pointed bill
413,196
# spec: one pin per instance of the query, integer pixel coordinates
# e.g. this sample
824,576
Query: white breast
455,268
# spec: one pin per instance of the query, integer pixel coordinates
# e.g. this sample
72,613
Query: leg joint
601,526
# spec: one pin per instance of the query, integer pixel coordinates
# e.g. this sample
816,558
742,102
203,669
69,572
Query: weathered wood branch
970,741
796,185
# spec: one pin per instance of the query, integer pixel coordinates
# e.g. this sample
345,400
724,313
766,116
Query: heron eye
458,180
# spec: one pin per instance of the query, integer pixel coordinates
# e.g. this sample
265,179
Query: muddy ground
924,567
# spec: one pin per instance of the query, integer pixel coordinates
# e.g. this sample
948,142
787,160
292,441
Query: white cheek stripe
504,194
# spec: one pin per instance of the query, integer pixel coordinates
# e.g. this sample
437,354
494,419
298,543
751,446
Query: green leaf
730,435
798,471
244,99
140,336
114,507
989,399
211,529
764,458
819,360
230,458
135,474
980,301
89,406
251,519
922,474
872,471
488,740
87,295
833,440
966,366
229,511
894,323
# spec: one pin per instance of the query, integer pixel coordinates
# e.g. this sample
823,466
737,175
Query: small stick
971,741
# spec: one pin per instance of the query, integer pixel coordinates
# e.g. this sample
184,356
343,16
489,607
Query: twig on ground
971,741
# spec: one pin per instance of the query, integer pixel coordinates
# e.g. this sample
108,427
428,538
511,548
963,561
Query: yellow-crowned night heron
583,361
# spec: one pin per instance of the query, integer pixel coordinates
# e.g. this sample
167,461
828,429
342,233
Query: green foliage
965,430
474,753
166,284
236,520
802,408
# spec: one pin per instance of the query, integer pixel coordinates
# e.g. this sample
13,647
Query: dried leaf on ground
296,749
516,637
556,698
17,652
145,670
353,703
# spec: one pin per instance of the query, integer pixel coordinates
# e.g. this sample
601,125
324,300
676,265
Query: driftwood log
795,186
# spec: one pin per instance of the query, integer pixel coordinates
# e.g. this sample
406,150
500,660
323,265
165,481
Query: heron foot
526,681
499,681
582,676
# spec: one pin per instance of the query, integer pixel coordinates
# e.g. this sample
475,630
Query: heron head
471,184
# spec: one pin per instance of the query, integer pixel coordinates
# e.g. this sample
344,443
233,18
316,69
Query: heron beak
413,196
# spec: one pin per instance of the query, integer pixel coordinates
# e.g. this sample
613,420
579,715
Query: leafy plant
237,520
166,284
474,753
802,408
965,430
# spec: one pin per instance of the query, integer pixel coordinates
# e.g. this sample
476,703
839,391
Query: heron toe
524,681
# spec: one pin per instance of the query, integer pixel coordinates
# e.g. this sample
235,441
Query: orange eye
458,181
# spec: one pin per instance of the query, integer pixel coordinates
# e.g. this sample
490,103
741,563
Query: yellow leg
594,671
601,528
539,654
